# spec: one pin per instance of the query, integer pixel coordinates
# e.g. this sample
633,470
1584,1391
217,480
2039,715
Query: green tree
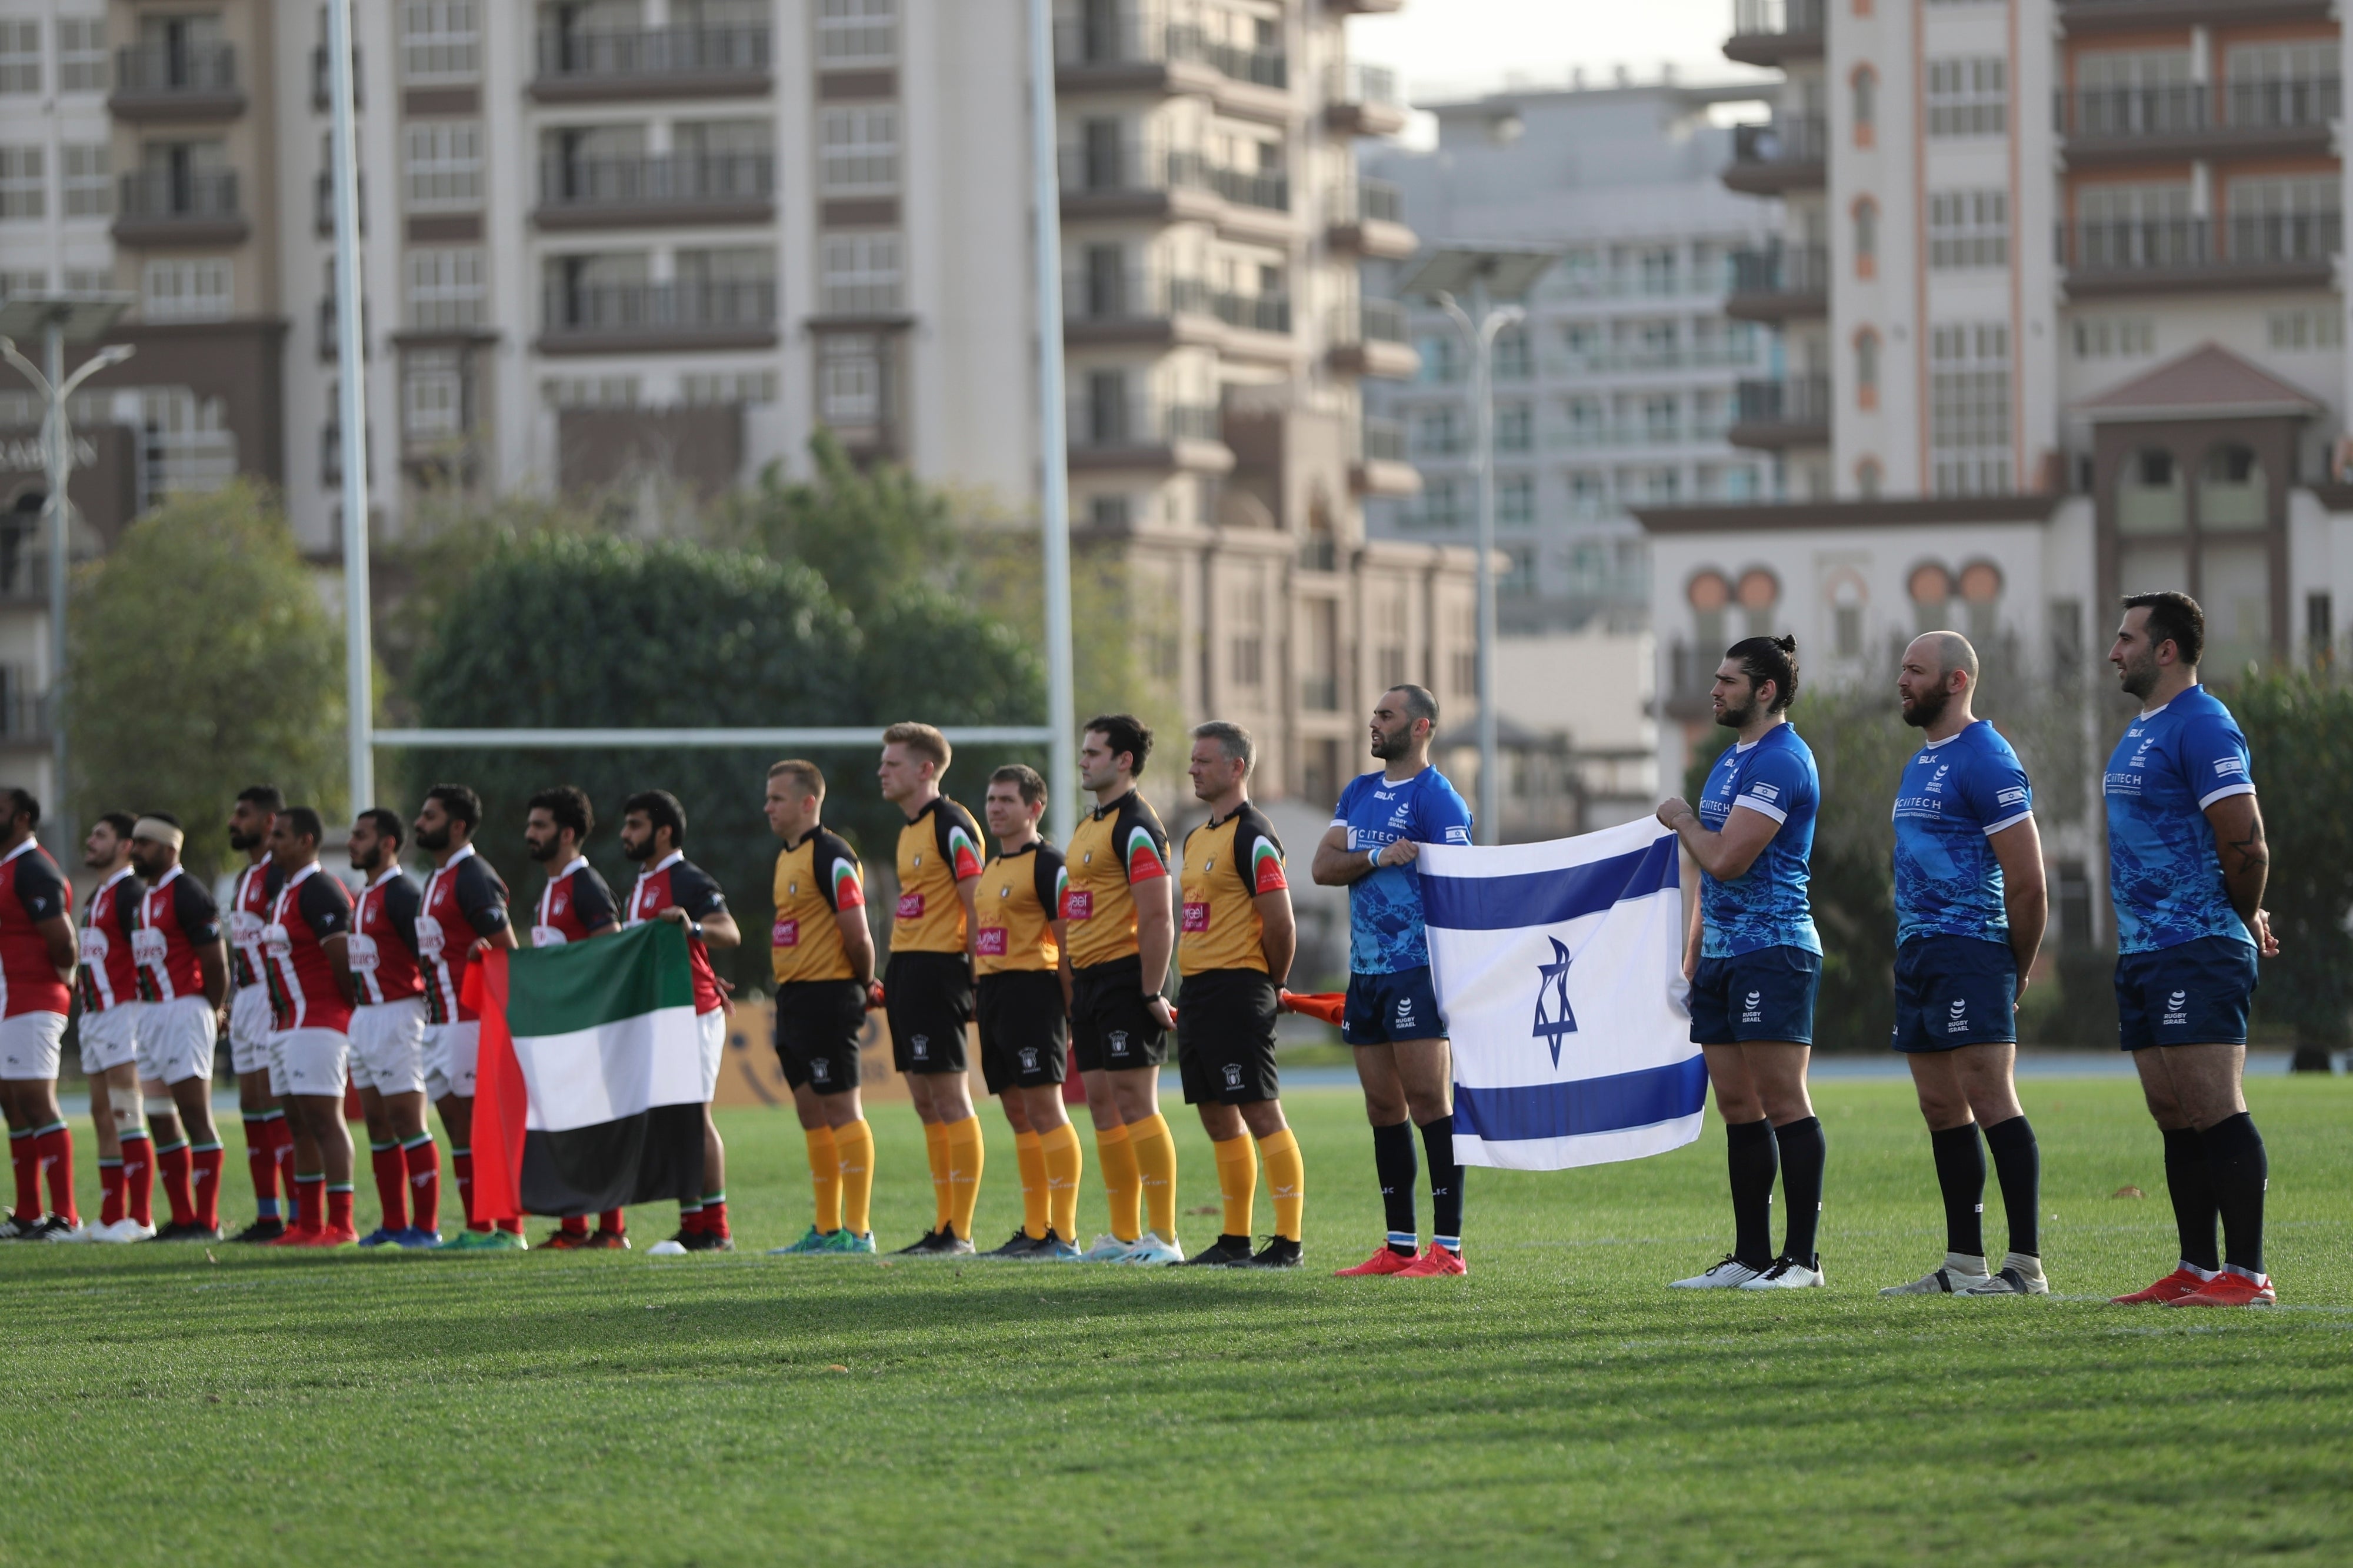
870,533
202,659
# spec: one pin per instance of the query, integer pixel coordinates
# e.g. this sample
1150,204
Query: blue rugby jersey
2164,872
1765,906
1955,796
1385,929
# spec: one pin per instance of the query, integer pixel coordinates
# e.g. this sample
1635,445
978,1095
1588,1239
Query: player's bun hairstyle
1770,658
386,823
2175,618
306,823
123,822
1123,732
662,810
269,797
807,775
568,805
924,740
1232,739
1024,778
462,803
25,804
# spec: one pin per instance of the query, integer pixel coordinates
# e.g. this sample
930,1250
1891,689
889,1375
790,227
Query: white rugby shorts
713,1028
176,1040
109,1038
389,1046
250,1028
449,1053
312,1061
30,1044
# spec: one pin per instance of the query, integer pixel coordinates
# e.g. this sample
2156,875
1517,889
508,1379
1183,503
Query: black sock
2192,1186
1445,1180
2239,1170
1960,1175
2018,1166
1750,1152
1803,1151
1393,1160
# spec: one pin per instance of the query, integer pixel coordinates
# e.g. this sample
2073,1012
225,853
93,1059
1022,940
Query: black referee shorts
1225,1036
818,1026
1025,1036
927,997
1111,1028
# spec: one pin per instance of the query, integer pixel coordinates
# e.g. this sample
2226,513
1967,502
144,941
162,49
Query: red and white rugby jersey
31,891
384,940
679,880
249,912
108,975
176,916
575,904
463,901
303,991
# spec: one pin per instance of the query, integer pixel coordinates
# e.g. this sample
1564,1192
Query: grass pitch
1558,1404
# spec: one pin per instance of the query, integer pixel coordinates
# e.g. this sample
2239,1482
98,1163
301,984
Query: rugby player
306,947
822,956
2187,865
1023,998
37,953
107,986
1237,941
1969,912
269,1139
1755,963
574,905
1391,1018
182,984
1121,931
673,888
927,988
388,1038
462,910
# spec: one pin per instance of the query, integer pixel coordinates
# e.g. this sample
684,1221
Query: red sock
53,1152
139,1176
461,1167
511,1226
391,1183
424,1161
615,1221
690,1219
714,1215
205,1174
262,1162
110,1187
28,1176
173,1164
339,1207
282,1137
309,1202
574,1225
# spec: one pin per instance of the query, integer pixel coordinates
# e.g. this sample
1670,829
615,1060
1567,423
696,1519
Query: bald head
1949,651
1938,674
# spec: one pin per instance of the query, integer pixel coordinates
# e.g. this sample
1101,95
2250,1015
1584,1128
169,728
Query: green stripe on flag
581,984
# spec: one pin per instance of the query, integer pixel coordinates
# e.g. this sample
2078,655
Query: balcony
1363,7
1363,100
1130,50
1136,435
1369,222
2287,118
658,318
322,99
1380,467
322,202
2081,18
2165,256
1774,32
1780,283
188,82
1786,154
655,189
1319,693
1155,310
1104,180
167,207
1771,416
330,341
635,63
1372,340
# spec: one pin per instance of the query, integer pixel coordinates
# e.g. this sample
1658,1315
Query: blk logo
1552,987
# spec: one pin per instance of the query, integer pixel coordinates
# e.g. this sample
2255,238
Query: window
2323,329
1968,228
188,445
445,164
1515,498
1866,369
1519,578
854,33
2284,218
1513,357
1868,478
1967,97
20,57
23,190
2284,84
1445,502
727,389
433,394
1865,97
1246,646
195,289
81,54
1588,494
857,150
1438,432
89,187
1968,408
14,282
2126,92
861,274
2118,337
1866,237
1515,428
446,289
89,280
441,40
561,393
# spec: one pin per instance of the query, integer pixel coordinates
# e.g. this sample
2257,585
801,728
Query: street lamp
61,318
1494,278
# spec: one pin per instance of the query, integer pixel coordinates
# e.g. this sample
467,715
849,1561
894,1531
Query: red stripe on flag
502,1098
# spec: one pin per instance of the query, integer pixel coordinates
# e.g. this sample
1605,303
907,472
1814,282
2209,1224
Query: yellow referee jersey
938,850
1016,900
1114,846
1228,864
816,879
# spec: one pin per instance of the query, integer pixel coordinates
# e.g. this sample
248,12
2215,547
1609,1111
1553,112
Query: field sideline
1557,1405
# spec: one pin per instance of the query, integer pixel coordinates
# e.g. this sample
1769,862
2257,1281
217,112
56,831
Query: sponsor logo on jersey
1196,918
910,906
992,942
786,932
1078,904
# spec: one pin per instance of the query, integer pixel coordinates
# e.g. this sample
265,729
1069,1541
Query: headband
162,832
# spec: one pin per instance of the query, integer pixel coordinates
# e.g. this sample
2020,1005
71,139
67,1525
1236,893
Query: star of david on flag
1559,972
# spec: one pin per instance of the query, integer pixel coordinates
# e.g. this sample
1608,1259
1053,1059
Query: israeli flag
1559,972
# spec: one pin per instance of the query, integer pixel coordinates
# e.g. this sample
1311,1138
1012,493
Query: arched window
1866,369
1980,585
1758,593
1865,86
1847,596
1868,478
1931,587
1866,237
1709,595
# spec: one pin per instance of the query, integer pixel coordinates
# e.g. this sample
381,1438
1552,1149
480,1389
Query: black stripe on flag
655,1157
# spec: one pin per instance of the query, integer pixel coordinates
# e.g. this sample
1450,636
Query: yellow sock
966,1155
825,1175
1029,1152
1155,1164
1060,1150
1286,1180
1237,1181
855,1144
935,1145
1116,1153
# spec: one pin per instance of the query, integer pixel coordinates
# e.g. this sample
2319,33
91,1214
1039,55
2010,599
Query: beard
1925,710
642,849
371,863
244,843
542,852
433,837
2139,678
1387,746
1738,717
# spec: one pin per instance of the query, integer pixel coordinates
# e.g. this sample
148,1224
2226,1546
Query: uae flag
588,1090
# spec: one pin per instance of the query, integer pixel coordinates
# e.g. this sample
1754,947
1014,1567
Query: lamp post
359,658
1495,278
1053,449
61,318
